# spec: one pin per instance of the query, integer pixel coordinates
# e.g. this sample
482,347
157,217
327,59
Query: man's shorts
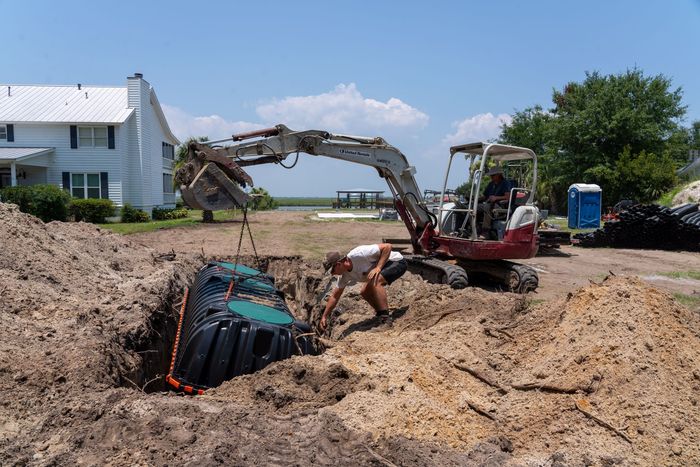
392,270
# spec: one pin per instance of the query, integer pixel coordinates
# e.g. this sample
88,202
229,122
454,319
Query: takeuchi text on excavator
447,247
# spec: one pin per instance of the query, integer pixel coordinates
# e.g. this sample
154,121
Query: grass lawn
683,274
563,224
195,217
690,301
303,201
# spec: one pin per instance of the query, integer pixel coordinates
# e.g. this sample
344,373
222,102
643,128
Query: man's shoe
384,317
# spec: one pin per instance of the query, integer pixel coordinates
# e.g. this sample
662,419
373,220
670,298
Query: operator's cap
332,257
495,171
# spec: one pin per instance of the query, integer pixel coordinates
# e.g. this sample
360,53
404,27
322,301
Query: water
304,208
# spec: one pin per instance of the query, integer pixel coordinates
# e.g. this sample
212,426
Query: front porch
24,166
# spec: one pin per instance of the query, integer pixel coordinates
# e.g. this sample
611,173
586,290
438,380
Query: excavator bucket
212,190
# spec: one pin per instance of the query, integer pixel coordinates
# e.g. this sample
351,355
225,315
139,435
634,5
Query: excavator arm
213,178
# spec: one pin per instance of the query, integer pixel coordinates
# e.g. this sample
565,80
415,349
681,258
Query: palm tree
181,158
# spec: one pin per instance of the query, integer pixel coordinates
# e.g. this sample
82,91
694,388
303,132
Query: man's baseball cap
332,257
495,171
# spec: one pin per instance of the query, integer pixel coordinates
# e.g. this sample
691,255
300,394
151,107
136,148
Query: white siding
135,162
34,175
66,159
158,163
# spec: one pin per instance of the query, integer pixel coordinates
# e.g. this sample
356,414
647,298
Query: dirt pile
463,377
632,352
466,366
689,194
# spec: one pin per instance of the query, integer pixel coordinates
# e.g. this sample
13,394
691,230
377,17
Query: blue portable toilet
585,201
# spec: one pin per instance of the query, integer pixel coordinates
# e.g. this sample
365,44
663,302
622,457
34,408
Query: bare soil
301,234
605,374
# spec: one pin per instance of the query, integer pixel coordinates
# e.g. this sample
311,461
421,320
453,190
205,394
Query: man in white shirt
375,265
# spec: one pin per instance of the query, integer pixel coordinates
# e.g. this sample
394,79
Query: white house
93,141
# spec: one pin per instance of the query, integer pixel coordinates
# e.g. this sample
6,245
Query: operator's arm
495,198
506,193
384,252
330,305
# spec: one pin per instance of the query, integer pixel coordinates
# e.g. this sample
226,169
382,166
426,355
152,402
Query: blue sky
423,75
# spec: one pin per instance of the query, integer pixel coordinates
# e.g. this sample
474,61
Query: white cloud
343,109
481,127
215,127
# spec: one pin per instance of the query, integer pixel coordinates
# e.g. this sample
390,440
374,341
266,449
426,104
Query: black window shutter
110,137
73,137
104,185
10,133
66,181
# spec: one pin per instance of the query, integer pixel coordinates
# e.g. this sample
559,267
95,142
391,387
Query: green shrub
161,214
19,195
91,210
130,214
47,202
261,200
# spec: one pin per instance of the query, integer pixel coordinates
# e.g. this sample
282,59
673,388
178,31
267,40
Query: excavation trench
151,346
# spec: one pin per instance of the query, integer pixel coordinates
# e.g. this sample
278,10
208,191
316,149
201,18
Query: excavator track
438,271
517,278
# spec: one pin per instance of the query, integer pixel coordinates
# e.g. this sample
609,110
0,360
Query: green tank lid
259,312
251,283
238,268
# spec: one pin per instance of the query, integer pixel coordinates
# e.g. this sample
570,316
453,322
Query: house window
84,185
168,151
168,184
3,131
92,136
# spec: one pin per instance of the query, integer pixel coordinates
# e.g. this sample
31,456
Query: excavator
447,247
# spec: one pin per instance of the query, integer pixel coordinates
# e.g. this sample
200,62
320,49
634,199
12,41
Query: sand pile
463,377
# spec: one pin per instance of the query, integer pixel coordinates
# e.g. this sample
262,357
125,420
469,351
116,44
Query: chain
250,234
245,224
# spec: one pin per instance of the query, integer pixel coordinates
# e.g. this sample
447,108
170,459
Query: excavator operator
375,265
497,190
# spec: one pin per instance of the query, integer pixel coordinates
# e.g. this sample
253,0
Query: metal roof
14,153
63,104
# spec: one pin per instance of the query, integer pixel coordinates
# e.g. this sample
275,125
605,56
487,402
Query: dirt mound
689,194
464,366
632,352
292,386
608,375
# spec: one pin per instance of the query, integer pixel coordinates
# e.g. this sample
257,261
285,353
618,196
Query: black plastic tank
234,321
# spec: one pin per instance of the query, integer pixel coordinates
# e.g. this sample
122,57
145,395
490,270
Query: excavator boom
213,178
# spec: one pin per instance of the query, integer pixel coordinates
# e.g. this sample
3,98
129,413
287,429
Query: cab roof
499,152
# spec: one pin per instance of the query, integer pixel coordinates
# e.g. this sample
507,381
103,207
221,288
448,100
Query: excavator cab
513,225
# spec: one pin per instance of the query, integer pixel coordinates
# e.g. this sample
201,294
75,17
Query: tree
694,133
532,128
603,125
181,158
261,200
